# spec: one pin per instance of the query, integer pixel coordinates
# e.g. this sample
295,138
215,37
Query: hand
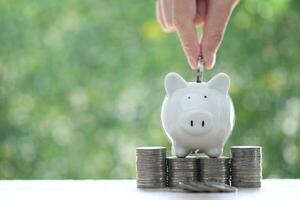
183,16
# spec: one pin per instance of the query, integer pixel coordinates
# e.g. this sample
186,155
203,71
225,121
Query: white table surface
283,189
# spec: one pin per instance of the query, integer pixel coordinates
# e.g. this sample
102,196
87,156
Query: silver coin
206,187
181,170
214,169
149,148
246,166
171,189
222,187
151,167
247,184
188,186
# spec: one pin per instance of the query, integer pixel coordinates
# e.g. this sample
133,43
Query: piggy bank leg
179,151
215,152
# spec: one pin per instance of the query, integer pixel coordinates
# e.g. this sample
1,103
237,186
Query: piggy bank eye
189,98
205,96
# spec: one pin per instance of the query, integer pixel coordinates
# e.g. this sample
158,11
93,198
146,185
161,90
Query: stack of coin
214,169
151,167
181,170
246,167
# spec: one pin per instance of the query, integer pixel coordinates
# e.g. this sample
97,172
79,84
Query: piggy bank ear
174,82
220,82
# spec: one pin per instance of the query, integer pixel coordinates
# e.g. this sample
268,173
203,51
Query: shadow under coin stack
151,167
214,169
246,167
181,170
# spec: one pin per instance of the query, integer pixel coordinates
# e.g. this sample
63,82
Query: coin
222,187
214,169
181,170
151,167
246,166
196,186
200,70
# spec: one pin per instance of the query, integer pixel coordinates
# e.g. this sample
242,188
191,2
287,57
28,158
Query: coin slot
203,123
192,123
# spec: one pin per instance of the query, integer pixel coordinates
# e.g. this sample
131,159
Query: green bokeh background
81,85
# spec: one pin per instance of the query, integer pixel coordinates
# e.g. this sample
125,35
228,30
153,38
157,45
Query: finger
188,38
159,15
167,7
218,13
184,13
201,12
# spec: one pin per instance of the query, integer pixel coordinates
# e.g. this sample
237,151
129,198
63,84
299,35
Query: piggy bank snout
197,122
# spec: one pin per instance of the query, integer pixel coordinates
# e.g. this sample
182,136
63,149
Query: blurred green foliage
81,85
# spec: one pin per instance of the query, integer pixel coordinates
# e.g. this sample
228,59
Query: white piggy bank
197,116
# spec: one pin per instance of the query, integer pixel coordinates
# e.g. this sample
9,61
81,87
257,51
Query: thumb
218,13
